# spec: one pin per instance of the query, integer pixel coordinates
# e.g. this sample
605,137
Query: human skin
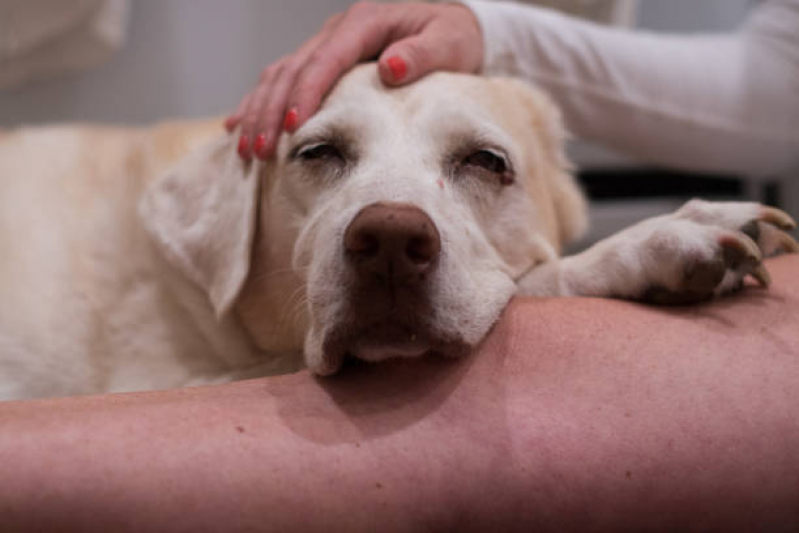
575,414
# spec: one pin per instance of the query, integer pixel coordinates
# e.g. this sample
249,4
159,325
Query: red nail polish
230,123
291,120
398,67
259,146
244,147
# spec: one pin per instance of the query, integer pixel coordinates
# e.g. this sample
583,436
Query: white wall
190,58
692,15
184,58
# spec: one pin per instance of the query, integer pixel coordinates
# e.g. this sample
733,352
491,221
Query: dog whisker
295,305
263,276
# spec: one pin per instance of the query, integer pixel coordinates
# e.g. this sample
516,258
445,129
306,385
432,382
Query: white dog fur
152,258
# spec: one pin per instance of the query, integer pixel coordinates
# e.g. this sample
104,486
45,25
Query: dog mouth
390,338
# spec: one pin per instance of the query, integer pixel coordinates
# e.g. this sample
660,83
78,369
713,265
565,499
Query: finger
260,100
271,115
243,142
270,119
358,36
411,58
255,104
252,108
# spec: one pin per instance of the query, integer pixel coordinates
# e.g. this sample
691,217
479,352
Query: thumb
411,58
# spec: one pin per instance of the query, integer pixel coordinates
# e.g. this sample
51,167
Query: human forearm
283,454
575,414
667,419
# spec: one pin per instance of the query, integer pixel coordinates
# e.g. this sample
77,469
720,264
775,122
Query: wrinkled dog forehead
418,121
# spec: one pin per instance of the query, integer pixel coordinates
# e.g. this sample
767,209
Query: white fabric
709,102
39,38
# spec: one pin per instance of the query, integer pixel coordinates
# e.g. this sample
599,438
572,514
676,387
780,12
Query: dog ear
568,201
571,209
202,216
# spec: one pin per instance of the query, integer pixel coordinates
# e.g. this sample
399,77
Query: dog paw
706,249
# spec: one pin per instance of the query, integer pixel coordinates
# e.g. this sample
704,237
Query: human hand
410,40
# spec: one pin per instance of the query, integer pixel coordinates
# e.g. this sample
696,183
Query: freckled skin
574,415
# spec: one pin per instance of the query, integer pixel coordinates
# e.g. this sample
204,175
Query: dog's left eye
319,151
493,162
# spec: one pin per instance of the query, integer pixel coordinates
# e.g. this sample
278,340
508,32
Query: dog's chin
382,341
369,351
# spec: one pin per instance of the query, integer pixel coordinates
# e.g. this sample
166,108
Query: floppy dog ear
570,209
202,216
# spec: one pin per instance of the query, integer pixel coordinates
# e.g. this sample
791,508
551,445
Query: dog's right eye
490,161
320,151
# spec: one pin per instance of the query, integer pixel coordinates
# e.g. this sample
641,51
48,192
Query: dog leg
704,249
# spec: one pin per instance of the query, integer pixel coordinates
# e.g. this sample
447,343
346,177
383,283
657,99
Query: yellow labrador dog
394,223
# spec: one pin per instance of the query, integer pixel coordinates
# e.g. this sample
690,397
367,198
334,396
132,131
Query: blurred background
137,62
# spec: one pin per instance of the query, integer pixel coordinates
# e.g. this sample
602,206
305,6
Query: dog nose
393,242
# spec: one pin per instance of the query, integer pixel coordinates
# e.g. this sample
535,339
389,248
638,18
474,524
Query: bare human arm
574,415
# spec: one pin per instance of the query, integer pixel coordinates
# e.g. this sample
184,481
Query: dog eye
487,160
491,161
319,152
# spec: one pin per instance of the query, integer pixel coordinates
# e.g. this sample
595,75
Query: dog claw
778,218
788,244
761,275
740,249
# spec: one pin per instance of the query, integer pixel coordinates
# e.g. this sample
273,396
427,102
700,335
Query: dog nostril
394,242
420,250
363,244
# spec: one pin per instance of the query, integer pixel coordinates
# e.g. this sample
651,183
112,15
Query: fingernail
398,67
259,146
244,148
230,123
291,120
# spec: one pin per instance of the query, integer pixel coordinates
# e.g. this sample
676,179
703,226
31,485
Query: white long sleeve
713,102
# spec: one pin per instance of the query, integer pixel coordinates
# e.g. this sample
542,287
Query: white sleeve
708,102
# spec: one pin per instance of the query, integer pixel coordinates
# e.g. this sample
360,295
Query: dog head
395,222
